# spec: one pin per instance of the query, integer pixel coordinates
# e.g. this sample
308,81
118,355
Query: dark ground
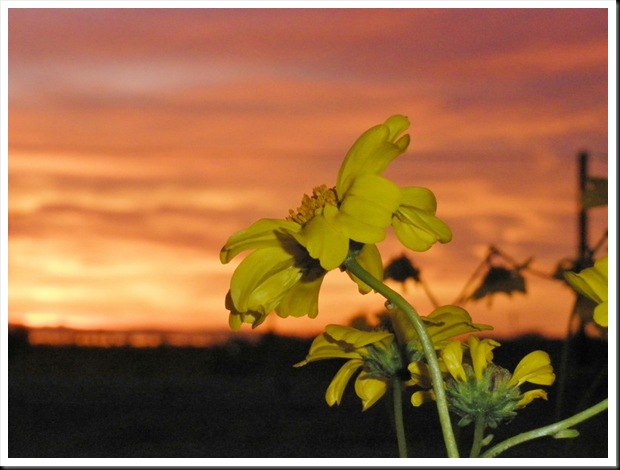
245,400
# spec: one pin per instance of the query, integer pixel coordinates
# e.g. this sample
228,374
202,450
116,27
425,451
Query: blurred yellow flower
479,389
593,283
374,352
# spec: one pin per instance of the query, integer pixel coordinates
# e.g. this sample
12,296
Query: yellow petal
422,396
328,351
449,321
302,299
342,342
591,282
324,240
236,318
333,395
262,279
481,353
583,286
354,337
373,151
419,230
601,314
369,389
531,395
452,356
235,321
358,230
420,374
419,198
261,234
534,368
368,258
371,200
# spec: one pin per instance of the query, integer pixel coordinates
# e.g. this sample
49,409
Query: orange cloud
139,140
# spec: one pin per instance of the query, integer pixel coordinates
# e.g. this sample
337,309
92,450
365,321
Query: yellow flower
292,256
374,352
593,283
479,389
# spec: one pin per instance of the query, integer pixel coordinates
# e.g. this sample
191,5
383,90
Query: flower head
479,389
593,283
374,352
291,256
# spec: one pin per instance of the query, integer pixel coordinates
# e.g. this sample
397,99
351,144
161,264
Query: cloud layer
140,139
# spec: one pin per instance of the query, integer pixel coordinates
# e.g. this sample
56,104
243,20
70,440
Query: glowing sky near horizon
140,139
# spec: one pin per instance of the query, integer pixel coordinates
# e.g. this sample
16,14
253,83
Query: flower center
321,196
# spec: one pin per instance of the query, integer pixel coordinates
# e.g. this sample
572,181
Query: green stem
398,418
397,300
546,430
478,436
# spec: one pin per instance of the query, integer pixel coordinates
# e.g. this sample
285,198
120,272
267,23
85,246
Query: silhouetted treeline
244,399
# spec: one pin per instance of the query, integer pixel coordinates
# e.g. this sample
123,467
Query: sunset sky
140,139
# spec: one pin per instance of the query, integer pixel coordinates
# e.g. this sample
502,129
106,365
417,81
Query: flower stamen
321,196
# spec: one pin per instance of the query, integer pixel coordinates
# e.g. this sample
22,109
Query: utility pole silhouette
584,255
576,338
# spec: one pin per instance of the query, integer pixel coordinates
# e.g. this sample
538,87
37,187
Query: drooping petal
354,337
452,356
592,282
587,283
481,352
373,151
261,234
324,347
534,368
601,314
368,258
235,321
262,280
369,389
342,342
531,395
415,223
236,318
333,394
422,396
302,299
420,374
448,321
